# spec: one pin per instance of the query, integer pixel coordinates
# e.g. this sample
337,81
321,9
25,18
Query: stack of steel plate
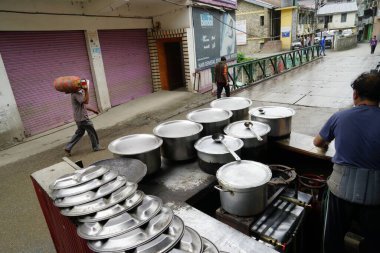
116,217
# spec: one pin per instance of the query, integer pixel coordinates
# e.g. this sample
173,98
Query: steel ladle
249,125
220,138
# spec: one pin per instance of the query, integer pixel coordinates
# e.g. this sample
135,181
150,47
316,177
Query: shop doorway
171,64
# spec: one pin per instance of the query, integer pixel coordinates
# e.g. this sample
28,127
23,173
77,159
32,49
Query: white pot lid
135,144
209,146
231,103
272,112
209,115
243,175
239,130
177,129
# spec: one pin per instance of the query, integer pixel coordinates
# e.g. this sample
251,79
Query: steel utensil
249,125
220,138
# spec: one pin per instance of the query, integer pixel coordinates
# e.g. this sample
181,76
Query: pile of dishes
114,216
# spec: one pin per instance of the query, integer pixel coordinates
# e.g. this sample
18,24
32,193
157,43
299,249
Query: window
262,20
343,17
330,19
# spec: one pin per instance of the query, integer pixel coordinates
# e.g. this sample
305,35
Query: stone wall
272,46
344,43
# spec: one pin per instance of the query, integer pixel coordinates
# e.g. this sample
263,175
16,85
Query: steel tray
208,246
88,186
122,194
122,223
191,242
165,242
136,237
89,196
115,210
78,177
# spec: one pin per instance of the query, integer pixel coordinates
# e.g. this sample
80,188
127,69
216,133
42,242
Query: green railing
250,72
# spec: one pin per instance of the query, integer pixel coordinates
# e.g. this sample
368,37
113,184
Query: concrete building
289,19
338,16
261,23
126,48
367,13
376,21
306,18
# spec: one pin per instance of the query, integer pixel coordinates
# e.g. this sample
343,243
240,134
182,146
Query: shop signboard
215,36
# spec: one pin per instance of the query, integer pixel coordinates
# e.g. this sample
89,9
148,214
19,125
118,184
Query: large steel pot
212,155
144,147
213,120
179,137
278,118
239,106
243,187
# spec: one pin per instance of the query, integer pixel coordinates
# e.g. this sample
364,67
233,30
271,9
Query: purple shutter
126,62
32,61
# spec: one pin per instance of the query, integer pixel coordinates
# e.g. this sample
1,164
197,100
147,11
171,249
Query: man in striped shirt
221,78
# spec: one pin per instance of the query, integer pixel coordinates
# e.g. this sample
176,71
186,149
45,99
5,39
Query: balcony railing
247,73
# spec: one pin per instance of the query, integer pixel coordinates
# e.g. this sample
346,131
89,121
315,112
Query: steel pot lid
231,103
243,176
177,129
209,115
78,177
209,146
136,237
272,112
134,170
239,130
135,144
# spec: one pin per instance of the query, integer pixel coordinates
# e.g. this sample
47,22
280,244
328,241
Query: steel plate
165,242
191,242
134,170
136,237
124,193
88,186
239,130
272,112
135,144
78,177
208,246
89,196
209,146
122,223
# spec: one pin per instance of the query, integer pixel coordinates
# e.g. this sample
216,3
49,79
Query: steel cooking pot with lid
144,147
243,187
179,137
212,154
237,105
278,118
213,120
239,130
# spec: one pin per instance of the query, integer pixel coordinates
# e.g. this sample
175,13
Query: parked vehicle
296,44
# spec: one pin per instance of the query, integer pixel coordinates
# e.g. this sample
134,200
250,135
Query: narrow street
315,91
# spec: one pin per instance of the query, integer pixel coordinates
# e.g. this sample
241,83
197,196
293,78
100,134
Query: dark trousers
219,89
339,217
83,126
373,49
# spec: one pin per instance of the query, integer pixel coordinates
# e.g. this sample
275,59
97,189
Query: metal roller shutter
126,62
32,61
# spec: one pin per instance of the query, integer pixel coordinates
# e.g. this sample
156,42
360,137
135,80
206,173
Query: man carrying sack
79,99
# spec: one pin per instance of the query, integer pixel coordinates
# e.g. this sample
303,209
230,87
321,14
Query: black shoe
67,152
100,148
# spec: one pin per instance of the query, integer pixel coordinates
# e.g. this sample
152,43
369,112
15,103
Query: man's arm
320,142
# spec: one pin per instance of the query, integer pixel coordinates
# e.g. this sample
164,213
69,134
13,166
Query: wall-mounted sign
215,36
285,32
241,32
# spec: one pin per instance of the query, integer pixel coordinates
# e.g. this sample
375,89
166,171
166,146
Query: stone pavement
315,91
